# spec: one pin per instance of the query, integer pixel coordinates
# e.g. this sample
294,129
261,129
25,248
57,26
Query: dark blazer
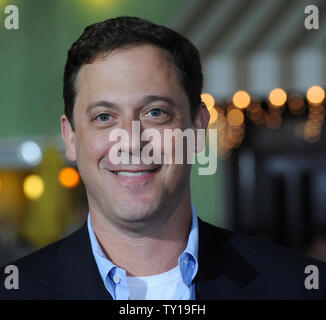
231,266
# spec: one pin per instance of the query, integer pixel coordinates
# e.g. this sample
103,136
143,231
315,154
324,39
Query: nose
133,145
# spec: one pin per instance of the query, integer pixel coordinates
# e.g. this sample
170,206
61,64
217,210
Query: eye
103,117
156,113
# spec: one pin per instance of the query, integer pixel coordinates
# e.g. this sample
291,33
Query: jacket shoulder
32,267
281,271
259,251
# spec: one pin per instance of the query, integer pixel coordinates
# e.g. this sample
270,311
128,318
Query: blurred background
265,76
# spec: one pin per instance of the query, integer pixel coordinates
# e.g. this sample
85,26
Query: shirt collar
188,260
104,265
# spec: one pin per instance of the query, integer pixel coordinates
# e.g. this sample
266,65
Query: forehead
139,70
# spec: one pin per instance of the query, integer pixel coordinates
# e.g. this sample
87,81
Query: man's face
135,84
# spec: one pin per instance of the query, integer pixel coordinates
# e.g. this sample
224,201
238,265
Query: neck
143,255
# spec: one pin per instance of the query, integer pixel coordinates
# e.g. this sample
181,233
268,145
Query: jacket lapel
74,273
222,271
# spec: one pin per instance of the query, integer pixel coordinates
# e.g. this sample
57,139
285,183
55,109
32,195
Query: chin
136,211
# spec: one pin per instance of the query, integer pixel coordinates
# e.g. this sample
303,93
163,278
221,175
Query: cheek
177,178
91,147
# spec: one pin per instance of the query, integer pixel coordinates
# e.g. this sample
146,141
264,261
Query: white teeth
132,174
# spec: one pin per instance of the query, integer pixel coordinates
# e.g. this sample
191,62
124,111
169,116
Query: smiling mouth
134,173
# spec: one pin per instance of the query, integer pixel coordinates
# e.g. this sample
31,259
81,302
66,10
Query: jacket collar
222,271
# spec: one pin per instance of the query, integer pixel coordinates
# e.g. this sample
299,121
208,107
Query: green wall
207,195
32,58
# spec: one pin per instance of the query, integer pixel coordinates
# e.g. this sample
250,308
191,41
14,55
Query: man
143,239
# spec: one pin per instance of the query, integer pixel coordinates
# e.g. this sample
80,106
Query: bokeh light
257,116
315,95
33,187
277,97
241,99
317,109
221,122
253,107
213,115
273,121
316,116
312,131
208,99
99,4
30,152
69,177
235,117
313,124
296,104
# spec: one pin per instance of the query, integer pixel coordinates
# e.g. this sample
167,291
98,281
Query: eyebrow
146,100
154,98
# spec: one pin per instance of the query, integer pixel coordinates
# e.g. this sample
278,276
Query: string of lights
230,117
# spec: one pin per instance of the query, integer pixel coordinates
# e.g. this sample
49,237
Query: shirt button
116,279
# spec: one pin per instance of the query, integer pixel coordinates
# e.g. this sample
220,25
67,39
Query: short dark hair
123,32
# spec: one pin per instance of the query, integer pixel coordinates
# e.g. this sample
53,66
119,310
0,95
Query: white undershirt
157,287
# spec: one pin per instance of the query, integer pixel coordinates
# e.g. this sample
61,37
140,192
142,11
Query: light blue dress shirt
115,278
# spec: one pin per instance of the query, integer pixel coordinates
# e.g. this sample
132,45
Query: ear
201,122
68,136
